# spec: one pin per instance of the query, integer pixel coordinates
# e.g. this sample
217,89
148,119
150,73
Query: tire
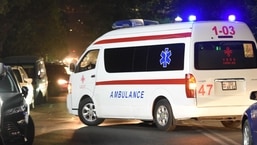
163,116
247,135
231,124
87,113
30,133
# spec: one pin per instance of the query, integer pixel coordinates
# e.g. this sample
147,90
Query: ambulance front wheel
87,113
163,116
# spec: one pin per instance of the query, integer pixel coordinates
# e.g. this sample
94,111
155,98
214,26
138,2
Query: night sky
211,9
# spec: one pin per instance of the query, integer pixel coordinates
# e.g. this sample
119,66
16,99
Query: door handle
92,76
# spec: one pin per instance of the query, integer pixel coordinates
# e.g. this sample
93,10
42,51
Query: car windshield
30,70
18,75
6,84
56,70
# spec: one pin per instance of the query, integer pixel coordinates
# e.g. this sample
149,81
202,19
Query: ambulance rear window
225,55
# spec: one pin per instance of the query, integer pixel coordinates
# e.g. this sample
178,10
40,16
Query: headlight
61,81
16,110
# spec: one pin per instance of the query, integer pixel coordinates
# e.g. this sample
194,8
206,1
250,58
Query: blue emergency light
192,18
133,23
231,17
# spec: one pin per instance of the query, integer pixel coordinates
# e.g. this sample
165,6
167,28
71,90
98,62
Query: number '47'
205,89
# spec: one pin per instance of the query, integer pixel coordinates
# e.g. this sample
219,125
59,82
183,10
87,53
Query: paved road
54,126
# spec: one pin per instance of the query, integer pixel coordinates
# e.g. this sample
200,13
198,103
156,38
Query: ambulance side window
166,57
88,62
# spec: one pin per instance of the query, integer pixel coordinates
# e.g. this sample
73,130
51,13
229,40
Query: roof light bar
178,19
133,23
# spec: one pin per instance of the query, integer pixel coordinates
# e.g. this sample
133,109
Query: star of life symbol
82,79
165,57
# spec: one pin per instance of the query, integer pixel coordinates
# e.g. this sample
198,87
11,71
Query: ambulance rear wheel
231,124
163,116
87,113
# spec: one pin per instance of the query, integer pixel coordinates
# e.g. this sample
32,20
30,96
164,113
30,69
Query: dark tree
49,28
32,27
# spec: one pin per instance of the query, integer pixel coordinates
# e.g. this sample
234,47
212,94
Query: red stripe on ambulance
143,82
141,38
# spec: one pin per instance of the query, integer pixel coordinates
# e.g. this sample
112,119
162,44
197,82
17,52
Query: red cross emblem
228,52
82,79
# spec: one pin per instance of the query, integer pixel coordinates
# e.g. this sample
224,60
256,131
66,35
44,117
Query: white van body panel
133,94
109,108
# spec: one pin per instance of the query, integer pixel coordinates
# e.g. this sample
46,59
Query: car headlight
16,110
62,81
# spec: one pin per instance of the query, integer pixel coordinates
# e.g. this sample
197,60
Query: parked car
57,78
24,80
17,127
35,68
249,123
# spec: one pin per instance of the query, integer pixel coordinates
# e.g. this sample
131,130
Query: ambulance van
165,73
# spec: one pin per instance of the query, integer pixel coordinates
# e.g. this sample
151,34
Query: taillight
190,85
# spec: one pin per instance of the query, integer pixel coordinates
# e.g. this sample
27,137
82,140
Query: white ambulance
165,73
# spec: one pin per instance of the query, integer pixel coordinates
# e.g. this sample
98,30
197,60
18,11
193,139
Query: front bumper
14,128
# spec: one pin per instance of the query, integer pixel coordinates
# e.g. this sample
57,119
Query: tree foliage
98,16
250,9
48,27
32,27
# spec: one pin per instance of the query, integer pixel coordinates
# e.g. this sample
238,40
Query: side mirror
72,67
253,95
25,91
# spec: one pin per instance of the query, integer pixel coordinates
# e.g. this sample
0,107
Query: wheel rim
246,136
162,115
88,112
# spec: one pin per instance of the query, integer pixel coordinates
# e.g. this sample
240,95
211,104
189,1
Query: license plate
228,85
